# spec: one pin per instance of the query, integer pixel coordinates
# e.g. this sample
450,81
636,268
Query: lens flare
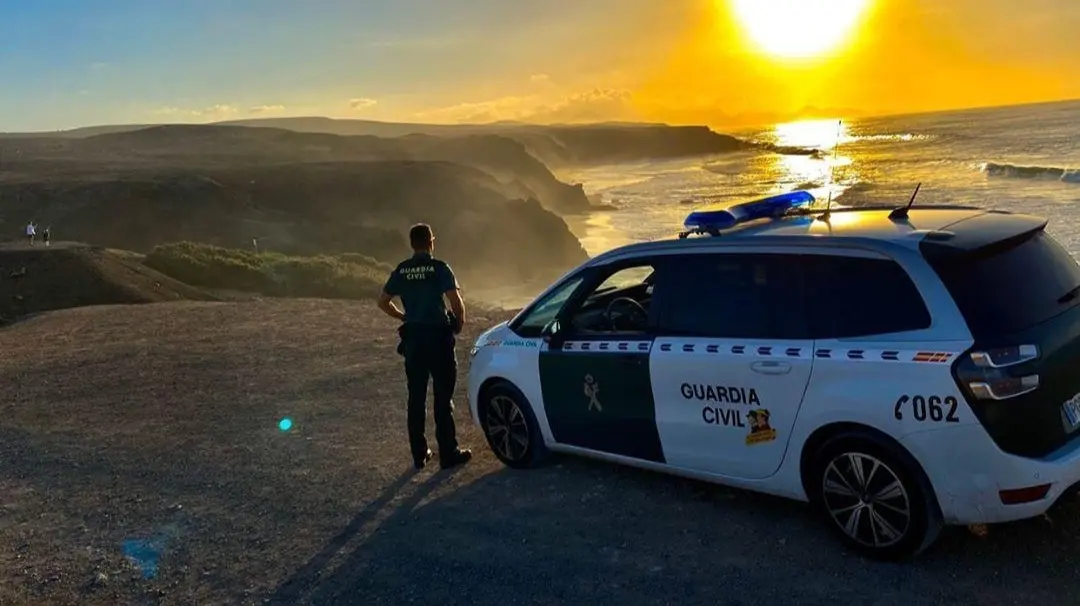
285,424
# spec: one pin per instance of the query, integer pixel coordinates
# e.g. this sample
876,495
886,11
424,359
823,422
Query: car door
731,362
594,377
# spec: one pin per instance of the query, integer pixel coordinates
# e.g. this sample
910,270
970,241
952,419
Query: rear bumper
968,471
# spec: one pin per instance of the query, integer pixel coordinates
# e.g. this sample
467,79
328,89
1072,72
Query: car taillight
1004,357
990,374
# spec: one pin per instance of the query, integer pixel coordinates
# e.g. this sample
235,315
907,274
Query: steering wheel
635,310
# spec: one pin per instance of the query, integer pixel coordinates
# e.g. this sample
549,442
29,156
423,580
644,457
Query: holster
412,335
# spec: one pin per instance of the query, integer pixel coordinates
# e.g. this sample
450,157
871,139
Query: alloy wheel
507,428
867,499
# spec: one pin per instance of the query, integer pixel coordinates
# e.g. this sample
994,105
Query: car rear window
855,297
1007,289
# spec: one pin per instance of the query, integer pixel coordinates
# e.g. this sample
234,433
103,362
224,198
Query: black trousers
429,353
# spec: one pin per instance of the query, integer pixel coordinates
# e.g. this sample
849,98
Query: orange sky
905,56
678,61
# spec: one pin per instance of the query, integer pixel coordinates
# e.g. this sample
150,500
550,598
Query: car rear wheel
874,497
510,427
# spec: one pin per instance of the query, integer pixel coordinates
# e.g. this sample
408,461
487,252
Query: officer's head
421,238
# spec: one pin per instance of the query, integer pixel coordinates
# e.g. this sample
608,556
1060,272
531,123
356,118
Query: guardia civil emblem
760,430
592,388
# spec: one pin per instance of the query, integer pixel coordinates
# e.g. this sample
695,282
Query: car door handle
771,367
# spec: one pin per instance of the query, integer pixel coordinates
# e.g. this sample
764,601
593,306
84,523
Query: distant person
45,235
428,337
31,231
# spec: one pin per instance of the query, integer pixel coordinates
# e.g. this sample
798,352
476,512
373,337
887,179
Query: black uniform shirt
420,281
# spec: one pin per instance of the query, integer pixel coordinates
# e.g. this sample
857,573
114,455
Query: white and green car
901,369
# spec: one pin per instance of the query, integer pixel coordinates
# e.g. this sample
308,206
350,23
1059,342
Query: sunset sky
67,63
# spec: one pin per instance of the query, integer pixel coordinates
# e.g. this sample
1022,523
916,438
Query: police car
900,368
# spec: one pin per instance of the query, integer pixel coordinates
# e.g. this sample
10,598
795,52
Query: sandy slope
69,274
159,422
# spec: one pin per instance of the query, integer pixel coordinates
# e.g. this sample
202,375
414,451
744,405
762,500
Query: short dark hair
420,236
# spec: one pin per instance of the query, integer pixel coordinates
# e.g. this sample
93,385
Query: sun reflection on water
815,134
824,173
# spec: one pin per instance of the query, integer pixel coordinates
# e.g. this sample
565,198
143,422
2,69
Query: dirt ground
155,429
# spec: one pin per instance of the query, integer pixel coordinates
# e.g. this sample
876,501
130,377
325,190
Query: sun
798,29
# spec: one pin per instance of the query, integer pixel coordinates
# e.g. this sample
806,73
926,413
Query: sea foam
1018,171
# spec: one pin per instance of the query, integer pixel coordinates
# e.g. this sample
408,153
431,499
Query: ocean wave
856,193
725,168
893,137
1018,171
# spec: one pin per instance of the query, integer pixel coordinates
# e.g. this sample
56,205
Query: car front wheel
510,427
874,497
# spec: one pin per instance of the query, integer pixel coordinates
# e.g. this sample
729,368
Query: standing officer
427,342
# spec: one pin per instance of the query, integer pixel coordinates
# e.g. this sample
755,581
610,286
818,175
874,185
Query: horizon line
512,122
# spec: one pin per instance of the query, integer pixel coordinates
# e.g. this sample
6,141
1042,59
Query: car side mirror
553,335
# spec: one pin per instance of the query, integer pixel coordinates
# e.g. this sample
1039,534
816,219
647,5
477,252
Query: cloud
362,103
99,65
597,105
214,112
539,78
503,108
266,109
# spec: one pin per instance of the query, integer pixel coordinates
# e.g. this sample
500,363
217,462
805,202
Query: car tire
874,496
510,427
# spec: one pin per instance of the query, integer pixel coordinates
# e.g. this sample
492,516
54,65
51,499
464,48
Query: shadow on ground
579,531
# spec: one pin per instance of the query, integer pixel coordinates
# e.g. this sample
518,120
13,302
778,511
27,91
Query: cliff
305,208
519,173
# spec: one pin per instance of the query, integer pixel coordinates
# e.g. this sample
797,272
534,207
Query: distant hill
305,208
351,186
77,133
203,147
557,146
349,126
74,275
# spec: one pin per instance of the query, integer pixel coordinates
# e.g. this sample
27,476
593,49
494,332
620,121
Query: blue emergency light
714,220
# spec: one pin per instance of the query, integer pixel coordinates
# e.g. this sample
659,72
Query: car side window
547,309
620,303
856,297
737,296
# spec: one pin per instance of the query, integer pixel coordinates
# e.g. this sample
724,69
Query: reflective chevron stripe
757,350
773,350
608,346
748,349
905,356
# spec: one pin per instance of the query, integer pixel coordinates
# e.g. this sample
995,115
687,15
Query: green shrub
346,276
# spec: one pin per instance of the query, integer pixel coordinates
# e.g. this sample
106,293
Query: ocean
1022,159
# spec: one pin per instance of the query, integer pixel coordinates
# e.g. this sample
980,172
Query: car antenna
901,213
828,203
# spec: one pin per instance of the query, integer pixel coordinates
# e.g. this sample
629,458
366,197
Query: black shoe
422,462
460,456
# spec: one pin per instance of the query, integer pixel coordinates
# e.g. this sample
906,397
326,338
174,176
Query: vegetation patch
345,276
